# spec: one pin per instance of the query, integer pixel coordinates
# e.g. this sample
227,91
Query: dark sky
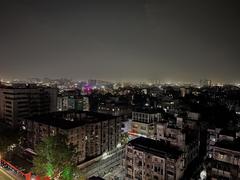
120,39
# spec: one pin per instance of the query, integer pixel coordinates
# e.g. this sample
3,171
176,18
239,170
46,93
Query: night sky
120,40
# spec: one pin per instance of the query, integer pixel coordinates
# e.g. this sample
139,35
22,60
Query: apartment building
153,160
92,133
143,123
217,134
226,160
76,102
114,109
19,101
182,134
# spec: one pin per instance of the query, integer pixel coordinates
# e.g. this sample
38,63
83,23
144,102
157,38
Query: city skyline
119,89
121,40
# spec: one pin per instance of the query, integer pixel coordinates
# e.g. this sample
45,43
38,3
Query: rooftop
23,86
231,145
158,148
227,132
148,110
70,119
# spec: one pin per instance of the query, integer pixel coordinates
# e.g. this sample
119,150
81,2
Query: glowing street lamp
118,145
203,175
105,155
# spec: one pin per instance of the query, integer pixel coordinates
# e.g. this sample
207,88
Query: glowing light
50,171
136,134
67,173
203,175
105,155
118,145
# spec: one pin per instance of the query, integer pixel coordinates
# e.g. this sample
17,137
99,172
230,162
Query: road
4,175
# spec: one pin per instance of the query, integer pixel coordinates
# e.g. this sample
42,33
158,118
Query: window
170,173
161,172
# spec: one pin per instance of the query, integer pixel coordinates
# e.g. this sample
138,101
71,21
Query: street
4,175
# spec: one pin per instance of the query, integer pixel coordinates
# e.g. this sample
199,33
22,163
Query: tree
55,158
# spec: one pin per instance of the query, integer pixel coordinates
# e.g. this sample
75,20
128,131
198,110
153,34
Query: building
153,160
19,101
217,134
184,91
205,83
183,134
73,102
144,121
212,138
115,109
93,134
226,160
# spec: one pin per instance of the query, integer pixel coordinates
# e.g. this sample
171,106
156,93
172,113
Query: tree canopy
55,158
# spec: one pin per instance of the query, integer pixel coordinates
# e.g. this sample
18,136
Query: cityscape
119,90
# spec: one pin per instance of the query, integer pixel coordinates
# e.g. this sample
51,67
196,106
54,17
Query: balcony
222,173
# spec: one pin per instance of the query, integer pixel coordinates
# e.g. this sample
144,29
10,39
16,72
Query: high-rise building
19,101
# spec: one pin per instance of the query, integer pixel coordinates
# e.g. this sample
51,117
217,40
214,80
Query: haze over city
120,40
119,90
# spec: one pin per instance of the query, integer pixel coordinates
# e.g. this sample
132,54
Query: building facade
19,101
226,160
183,135
153,160
92,133
114,109
65,103
143,123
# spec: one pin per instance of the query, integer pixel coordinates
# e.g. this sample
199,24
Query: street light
118,145
203,175
105,155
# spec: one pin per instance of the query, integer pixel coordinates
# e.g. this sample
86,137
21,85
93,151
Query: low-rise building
144,122
183,135
114,109
226,160
217,134
65,103
91,133
153,160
